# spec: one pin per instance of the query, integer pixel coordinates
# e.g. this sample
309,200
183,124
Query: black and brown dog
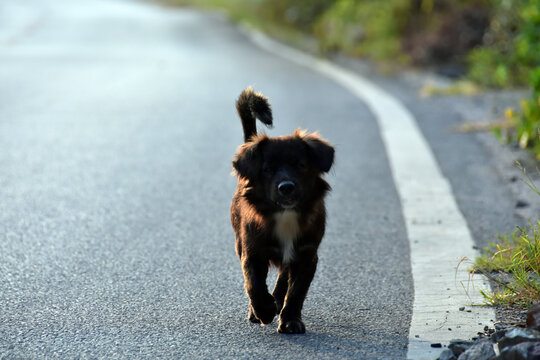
278,213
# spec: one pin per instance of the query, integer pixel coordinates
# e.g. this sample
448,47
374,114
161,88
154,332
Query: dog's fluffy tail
252,106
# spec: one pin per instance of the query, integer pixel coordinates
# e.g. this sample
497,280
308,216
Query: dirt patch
511,315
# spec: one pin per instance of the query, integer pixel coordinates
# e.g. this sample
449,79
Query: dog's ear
321,152
248,160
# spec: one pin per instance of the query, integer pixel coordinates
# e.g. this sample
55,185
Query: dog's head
283,172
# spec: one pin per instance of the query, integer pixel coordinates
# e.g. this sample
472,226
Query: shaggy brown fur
278,213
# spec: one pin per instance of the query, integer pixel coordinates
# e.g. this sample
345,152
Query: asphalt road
117,131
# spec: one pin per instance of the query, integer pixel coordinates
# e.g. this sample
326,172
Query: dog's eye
267,170
301,165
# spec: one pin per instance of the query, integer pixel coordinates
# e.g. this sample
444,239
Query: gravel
504,342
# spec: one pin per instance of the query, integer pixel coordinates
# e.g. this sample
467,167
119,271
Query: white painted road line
437,231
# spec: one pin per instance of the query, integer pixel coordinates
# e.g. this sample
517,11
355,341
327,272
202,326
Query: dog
278,213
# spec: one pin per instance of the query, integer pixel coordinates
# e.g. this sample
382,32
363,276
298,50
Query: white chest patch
286,230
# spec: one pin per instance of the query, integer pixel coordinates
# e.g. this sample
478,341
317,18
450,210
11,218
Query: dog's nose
286,187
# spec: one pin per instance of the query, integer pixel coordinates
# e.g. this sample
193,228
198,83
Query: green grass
513,264
517,258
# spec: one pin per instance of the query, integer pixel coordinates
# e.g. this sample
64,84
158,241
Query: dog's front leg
262,306
301,274
281,287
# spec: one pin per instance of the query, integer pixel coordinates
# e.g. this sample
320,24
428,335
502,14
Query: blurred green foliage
528,47
523,62
299,14
364,28
510,50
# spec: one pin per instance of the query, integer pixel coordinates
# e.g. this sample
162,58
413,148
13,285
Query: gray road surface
117,129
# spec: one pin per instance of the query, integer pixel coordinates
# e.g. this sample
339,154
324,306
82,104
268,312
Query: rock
481,350
533,317
503,327
512,342
517,336
498,335
459,346
521,204
447,354
533,351
523,351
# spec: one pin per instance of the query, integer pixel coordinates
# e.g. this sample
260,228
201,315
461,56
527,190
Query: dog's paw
291,327
264,309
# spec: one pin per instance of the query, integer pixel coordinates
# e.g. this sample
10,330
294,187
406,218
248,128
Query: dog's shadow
342,342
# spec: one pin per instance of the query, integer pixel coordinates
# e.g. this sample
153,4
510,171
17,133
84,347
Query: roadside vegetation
492,43
513,264
523,126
